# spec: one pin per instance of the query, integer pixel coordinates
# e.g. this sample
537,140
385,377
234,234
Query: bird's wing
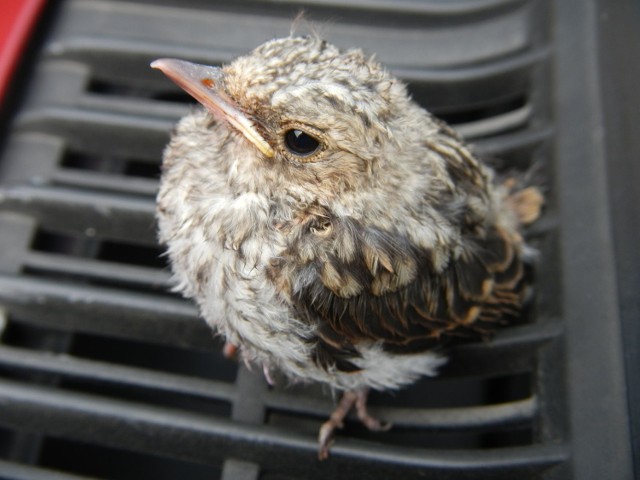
362,284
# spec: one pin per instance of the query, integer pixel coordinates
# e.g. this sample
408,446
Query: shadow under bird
329,227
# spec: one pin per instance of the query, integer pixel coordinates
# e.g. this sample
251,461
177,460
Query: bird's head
315,113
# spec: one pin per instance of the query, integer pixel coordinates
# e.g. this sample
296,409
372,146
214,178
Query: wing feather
385,289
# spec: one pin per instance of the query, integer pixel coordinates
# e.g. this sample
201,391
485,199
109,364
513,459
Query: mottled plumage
329,226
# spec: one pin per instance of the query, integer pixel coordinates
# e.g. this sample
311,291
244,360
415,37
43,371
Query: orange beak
203,83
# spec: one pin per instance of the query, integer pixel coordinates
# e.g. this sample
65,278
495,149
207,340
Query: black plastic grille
106,373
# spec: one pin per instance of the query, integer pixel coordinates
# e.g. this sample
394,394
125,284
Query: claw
325,438
267,375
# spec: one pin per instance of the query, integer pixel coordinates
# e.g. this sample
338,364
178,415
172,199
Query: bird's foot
349,400
372,423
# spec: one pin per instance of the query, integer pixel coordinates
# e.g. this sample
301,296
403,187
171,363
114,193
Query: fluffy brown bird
331,228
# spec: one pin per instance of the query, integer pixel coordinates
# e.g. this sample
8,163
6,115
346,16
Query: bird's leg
349,399
325,436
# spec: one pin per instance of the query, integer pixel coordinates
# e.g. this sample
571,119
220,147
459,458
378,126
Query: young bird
328,226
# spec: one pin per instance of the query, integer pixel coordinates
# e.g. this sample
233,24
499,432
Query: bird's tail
526,202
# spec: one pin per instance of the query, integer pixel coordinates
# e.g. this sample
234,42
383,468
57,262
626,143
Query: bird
330,228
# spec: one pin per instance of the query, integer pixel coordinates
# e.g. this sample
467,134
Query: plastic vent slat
16,471
106,182
94,371
100,270
460,7
110,216
88,129
82,308
502,31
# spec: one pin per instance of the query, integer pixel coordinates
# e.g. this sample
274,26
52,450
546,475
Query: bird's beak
203,83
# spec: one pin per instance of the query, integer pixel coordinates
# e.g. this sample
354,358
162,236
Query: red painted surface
17,18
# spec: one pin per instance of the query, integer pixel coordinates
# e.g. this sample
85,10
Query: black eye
300,143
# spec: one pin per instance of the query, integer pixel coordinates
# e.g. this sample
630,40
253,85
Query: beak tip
157,64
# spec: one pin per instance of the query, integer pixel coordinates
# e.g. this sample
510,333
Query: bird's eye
300,143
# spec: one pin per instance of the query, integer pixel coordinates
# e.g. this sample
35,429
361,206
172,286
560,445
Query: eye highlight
300,143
